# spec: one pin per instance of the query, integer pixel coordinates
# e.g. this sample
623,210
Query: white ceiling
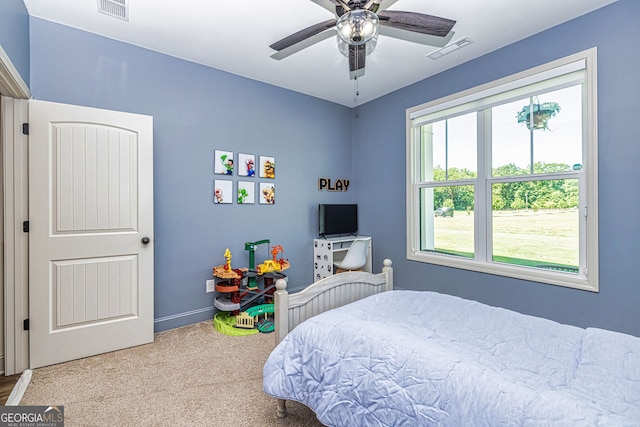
234,36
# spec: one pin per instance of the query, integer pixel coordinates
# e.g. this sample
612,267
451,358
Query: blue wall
614,30
196,110
14,35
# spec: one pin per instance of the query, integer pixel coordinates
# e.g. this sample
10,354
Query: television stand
330,249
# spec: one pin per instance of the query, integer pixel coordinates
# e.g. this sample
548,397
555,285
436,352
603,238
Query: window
502,178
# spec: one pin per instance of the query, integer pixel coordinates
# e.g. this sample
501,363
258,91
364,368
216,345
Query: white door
90,231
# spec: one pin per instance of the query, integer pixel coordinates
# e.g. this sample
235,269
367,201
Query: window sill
557,278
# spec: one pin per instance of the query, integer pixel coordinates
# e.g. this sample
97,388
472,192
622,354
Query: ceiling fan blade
281,54
372,5
303,34
376,6
416,22
330,5
357,55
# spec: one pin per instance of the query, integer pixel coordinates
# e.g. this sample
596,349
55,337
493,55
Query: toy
251,247
226,323
269,169
227,162
225,271
273,264
269,195
218,195
238,291
250,167
250,318
242,194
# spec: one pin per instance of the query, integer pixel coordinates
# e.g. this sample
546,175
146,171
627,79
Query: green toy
251,247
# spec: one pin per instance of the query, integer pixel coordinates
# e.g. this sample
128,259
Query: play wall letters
336,185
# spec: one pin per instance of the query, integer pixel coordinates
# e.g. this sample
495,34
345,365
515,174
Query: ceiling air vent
116,8
436,54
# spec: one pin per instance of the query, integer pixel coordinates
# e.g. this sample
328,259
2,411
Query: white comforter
408,358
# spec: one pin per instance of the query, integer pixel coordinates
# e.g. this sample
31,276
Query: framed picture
222,191
246,165
246,192
223,162
267,193
267,167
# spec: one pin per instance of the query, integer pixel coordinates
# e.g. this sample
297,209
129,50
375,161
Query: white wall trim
18,390
11,83
184,314
14,278
14,112
2,247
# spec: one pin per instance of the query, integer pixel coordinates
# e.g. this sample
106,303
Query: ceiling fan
358,23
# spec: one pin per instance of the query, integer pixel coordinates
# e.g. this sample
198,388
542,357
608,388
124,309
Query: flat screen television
337,219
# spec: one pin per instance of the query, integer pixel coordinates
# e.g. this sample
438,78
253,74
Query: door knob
145,240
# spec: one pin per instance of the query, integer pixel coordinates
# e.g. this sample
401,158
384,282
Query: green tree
459,197
536,195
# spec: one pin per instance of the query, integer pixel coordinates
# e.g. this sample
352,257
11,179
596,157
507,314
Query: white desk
327,251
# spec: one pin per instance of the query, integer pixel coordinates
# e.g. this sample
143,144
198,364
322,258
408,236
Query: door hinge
25,226
25,128
25,325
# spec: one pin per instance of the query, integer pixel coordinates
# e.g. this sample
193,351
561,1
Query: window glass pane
511,141
530,177
450,149
552,142
446,220
462,146
536,224
439,143
559,147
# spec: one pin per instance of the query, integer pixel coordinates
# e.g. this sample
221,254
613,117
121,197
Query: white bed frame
326,294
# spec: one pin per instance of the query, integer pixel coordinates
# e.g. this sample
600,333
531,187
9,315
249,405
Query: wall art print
246,192
246,165
223,162
267,167
267,193
222,191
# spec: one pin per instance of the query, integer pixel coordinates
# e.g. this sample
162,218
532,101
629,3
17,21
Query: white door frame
14,179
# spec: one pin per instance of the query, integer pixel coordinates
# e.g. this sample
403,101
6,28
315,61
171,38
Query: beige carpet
190,376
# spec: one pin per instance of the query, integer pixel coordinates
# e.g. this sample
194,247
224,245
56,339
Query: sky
561,143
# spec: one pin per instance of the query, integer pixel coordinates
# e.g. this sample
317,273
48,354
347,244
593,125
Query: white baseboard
18,390
185,314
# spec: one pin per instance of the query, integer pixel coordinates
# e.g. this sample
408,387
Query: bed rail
326,294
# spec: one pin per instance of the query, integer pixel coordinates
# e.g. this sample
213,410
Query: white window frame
588,276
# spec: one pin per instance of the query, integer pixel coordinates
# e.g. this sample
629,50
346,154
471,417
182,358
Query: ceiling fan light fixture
357,26
344,47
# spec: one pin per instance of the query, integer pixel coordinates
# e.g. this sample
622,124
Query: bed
405,358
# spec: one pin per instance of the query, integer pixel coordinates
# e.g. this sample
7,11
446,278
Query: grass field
519,237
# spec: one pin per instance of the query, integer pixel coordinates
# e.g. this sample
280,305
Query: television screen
337,219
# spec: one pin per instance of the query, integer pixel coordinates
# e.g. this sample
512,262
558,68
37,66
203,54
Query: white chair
356,256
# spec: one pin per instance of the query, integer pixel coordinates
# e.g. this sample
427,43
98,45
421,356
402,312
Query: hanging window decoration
536,115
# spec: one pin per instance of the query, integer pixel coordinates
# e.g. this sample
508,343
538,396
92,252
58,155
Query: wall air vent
116,8
437,54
